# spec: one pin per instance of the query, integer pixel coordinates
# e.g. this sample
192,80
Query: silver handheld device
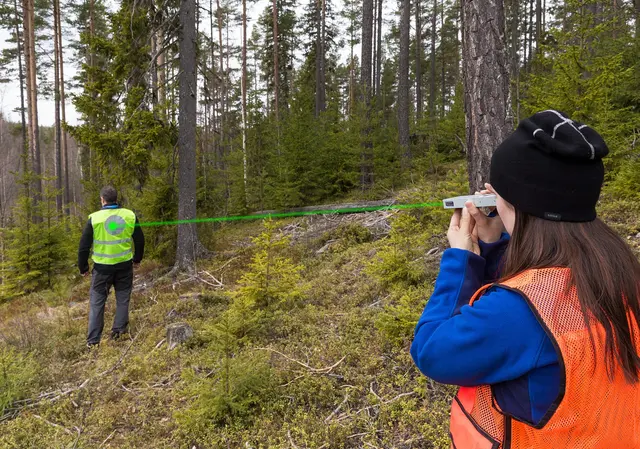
457,202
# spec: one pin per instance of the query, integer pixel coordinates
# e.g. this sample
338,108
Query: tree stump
177,334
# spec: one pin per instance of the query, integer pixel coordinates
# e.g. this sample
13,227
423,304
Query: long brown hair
604,271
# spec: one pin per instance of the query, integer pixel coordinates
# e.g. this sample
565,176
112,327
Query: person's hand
136,265
462,233
85,274
489,229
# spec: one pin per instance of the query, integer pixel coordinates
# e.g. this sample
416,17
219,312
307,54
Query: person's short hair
109,194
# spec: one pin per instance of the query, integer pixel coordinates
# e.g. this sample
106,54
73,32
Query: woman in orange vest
538,325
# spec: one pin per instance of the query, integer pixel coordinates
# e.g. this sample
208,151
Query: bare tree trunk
418,63
486,83
64,142
636,4
366,166
320,79
276,77
538,23
374,50
57,126
21,75
244,98
378,77
403,84
223,78
432,83
443,82
187,243
161,75
530,30
515,45
32,93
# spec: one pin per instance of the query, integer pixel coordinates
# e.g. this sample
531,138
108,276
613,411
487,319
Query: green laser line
349,210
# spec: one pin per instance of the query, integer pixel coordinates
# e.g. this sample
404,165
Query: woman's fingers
455,219
478,216
466,221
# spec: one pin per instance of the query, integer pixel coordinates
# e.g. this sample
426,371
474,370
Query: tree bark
64,142
187,244
432,83
486,85
276,76
403,84
33,131
21,75
223,80
244,98
320,58
418,63
378,77
366,165
57,126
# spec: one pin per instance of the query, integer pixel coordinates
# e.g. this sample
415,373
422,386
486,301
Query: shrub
18,376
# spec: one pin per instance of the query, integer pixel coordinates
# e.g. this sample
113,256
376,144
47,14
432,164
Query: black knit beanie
551,167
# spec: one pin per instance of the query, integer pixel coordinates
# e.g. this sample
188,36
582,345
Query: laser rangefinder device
457,202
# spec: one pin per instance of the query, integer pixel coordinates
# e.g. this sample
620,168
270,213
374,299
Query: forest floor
325,366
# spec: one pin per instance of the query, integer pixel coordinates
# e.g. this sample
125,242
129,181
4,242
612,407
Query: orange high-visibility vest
590,412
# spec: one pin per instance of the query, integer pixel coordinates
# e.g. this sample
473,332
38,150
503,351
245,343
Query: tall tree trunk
378,77
374,51
636,4
64,144
32,93
320,58
21,75
538,23
366,165
223,79
57,126
161,75
418,62
432,83
403,84
486,85
276,77
244,98
187,243
443,80
515,45
530,35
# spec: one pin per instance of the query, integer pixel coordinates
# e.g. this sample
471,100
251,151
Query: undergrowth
299,348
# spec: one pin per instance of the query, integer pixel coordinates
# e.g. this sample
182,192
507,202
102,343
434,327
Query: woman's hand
489,229
462,232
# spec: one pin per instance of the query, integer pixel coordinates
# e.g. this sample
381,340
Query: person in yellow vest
118,246
538,325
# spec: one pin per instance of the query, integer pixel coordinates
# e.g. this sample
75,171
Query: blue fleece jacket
497,341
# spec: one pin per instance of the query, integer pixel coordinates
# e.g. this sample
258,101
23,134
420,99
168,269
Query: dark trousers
122,281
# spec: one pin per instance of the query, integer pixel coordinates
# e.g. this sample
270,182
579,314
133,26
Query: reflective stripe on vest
590,412
112,235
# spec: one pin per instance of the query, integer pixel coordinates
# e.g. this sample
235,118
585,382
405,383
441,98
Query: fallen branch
337,409
325,370
54,424
346,415
107,439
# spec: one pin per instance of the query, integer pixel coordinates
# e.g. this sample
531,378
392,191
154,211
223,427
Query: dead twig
370,407
54,424
124,354
325,370
337,409
106,439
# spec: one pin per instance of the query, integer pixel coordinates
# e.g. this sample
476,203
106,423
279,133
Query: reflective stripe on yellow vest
590,412
112,231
